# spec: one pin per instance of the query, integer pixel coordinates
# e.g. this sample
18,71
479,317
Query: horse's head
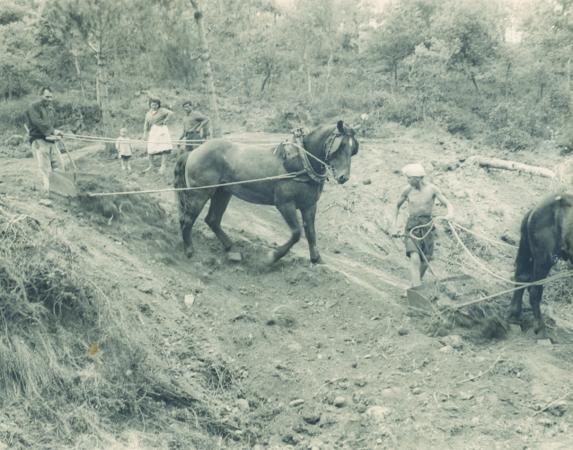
341,149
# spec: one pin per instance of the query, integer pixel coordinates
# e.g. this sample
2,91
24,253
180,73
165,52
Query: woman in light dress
156,133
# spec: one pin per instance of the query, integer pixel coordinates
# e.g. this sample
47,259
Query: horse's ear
340,126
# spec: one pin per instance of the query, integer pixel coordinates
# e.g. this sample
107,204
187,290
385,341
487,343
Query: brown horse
546,236
219,161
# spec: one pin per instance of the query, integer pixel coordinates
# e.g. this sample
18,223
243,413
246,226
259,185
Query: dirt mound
74,358
117,207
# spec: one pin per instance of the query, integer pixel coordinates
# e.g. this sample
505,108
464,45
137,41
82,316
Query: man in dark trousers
43,136
195,126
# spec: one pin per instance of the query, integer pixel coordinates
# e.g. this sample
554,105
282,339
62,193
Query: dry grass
74,363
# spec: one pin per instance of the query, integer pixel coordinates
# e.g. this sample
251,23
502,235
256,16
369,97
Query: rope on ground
543,281
194,188
476,260
517,285
483,237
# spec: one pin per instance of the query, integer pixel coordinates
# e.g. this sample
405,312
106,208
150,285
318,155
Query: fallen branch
481,374
496,163
550,404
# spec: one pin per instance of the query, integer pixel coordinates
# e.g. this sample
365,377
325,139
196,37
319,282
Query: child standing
123,146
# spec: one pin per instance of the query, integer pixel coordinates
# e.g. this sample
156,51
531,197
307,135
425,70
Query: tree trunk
328,71
208,79
496,163
79,73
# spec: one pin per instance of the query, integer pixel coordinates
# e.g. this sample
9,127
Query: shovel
61,181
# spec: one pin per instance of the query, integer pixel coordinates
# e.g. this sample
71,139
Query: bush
564,140
510,138
401,110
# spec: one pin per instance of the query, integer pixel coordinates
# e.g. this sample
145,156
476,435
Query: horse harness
290,151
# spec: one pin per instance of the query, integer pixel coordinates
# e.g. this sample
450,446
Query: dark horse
546,236
219,161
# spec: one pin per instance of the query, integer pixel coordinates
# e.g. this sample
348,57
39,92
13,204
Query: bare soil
332,356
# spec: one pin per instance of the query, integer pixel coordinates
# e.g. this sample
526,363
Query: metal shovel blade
62,183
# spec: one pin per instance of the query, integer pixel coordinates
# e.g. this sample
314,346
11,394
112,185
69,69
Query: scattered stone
312,418
505,237
290,439
145,288
450,407
360,383
377,413
455,341
403,331
417,391
316,444
339,402
367,181
243,404
546,422
544,342
465,395
282,316
234,256
514,328
189,300
296,402
447,349
46,202
558,409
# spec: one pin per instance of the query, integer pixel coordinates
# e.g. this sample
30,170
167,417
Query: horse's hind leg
288,211
541,269
219,203
190,205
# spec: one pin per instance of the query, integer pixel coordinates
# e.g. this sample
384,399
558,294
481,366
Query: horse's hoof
189,252
318,260
540,331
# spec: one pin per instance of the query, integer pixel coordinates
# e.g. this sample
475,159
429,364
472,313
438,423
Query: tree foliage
494,67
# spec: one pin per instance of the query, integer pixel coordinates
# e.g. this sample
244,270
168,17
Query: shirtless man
420,196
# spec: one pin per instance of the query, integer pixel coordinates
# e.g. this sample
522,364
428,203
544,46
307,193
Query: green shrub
401,110
510,138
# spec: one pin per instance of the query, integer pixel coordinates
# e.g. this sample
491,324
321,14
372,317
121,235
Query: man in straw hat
420,196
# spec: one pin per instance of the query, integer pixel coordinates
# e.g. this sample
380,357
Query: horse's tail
180,182
524,258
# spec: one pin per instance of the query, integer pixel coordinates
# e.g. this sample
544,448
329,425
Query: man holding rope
419,231
43,136
195,126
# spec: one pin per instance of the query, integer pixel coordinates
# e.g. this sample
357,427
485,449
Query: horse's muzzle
342,179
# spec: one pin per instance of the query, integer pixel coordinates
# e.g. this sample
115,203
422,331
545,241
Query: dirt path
331,356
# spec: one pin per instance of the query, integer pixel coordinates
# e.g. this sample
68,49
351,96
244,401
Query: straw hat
414,170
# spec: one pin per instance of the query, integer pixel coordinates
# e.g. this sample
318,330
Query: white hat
414,170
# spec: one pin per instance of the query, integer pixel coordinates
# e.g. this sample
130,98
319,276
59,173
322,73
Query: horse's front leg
308,217
516,305
288,211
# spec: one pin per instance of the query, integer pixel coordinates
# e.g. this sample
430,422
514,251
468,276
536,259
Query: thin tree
208,80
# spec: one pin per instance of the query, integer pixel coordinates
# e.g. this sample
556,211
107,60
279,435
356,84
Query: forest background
498,71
